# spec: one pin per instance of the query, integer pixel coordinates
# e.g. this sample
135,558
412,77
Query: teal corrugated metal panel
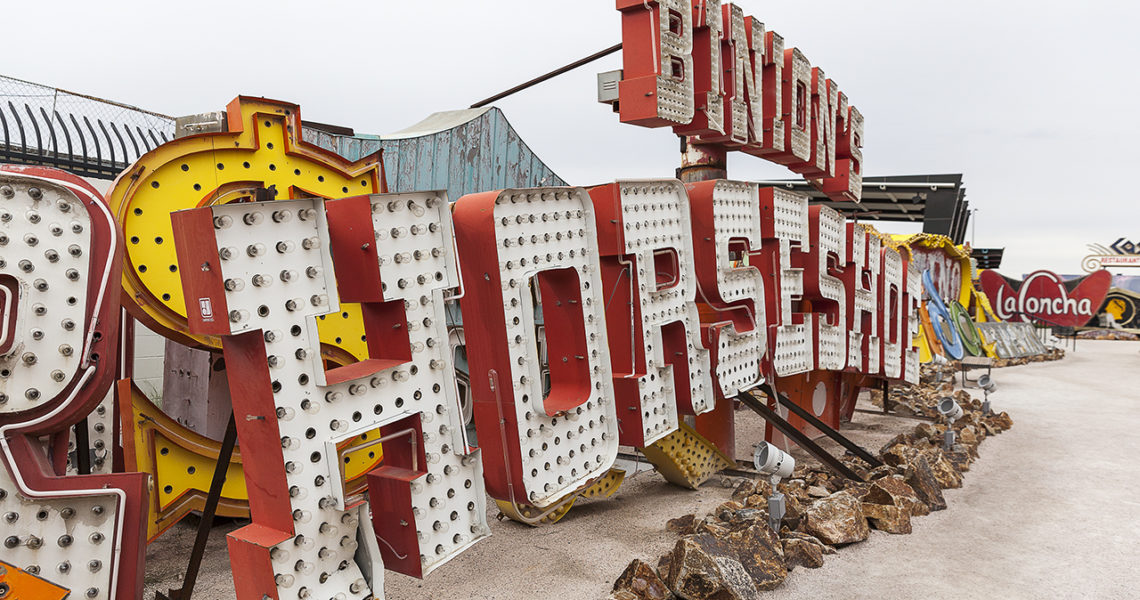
409,162
456,164
441,163
512,156
485,163
469,183
500,148
391,162
463,152
425,153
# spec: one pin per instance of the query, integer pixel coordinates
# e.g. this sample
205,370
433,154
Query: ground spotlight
988,386
938,361
776,464
950,409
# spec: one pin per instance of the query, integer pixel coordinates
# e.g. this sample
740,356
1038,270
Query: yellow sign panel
262,152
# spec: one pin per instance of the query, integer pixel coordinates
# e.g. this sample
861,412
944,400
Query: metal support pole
797,436
82,448
224,454
896,415
702,162
812,420
551,75
886,396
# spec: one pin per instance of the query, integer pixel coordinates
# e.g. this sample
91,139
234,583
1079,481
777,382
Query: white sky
1030,100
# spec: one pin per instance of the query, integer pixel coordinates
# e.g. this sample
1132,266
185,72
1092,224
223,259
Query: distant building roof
936,201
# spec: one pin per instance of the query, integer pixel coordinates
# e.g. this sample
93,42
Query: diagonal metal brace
814,421
797,436
208,513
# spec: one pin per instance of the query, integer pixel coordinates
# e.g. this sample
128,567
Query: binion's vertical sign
720,78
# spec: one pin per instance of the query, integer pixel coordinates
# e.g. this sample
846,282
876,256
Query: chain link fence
89,136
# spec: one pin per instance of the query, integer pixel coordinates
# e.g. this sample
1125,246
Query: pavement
1050,510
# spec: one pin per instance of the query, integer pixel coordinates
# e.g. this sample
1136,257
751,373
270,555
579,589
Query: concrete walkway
1051,510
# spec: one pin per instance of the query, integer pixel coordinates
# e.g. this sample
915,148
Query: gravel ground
1049,511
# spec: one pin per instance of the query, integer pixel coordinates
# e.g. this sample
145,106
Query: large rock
902,439
837,519
944,472
802,553
729,507
899,455
887,517
758,548
968,436
895,492
921,479
794,487
960,457
882,471
756,501
924,431
744,489
642,582
793,512
856,488
683,525
787,534
815,491
623,595
693,573
1001,421
737,583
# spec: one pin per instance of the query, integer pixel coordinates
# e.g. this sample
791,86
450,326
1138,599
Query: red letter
524,250
861,279
824,100
892,324
795,95
821,260
708,82
743,122
783,222
847,184
660,367
657,48
726,229
773,116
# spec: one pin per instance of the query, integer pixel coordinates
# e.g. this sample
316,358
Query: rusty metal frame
797,436
812,420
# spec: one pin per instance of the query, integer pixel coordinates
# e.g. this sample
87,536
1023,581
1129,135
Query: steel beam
797,436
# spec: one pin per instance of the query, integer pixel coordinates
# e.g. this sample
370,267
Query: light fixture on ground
776,464
938,361
950,409
988,386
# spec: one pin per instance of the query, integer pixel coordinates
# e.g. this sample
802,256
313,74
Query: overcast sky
1029,100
